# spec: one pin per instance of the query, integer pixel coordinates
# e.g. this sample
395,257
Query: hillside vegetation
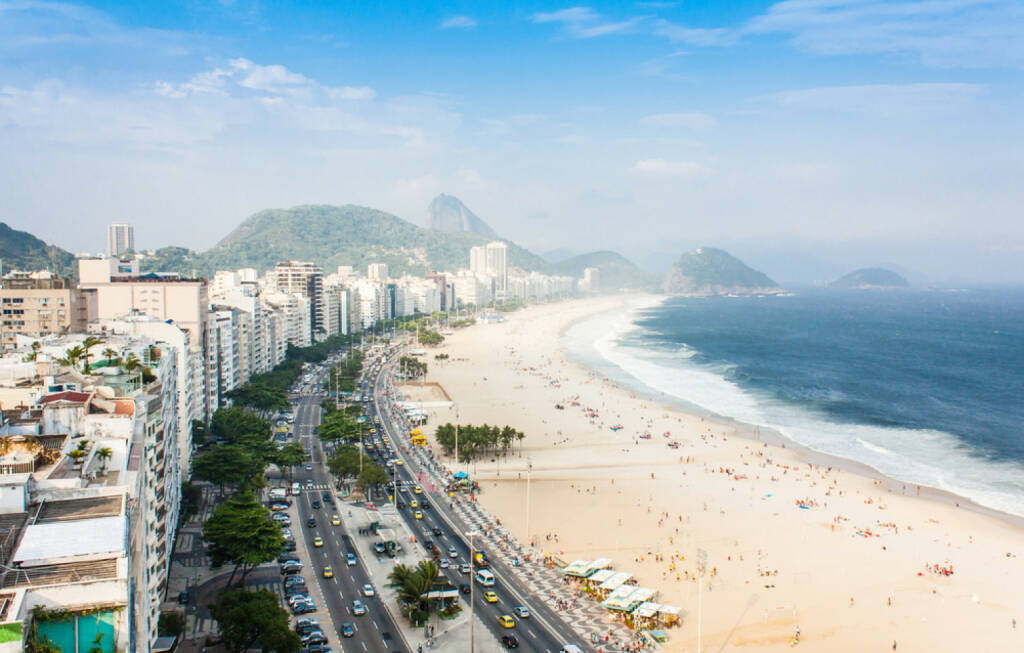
708,271
20,250
616,270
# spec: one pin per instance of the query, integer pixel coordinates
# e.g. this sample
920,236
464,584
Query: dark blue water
927,386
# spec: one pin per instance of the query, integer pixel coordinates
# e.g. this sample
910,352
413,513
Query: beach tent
460,475
614,582
647,610
627,598
576,568
600,576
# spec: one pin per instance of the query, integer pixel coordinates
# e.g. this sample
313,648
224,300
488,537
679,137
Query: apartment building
304,280
120,238
37,304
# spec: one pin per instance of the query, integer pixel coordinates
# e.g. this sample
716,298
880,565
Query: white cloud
945,33
698,36
888,100
352,93
585,23
663,168
458,22
273,78
694,120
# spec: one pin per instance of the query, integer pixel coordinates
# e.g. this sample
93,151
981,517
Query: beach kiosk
612,583
591,582
585,568
669,615
417,437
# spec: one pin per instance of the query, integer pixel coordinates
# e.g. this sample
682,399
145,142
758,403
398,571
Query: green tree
104,454
87,344
228,465
241,532
412,584
72,356
372,476
247,618
344,462
290,455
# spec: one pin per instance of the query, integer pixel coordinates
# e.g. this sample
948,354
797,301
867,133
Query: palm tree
110,354
72,356
34,354
104,454
88,343
131,363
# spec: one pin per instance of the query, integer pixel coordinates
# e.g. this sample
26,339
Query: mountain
558,255
447,213
22,251
870,278
616,271
708,271
345,235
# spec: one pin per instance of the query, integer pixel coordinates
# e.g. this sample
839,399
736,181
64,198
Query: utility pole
529,470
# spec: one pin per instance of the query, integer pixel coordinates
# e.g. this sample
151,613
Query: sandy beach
793,541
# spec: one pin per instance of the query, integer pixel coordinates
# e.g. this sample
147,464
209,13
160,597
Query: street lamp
472,603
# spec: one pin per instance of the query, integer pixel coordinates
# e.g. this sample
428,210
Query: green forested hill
710,271
336,235
616,270
22,251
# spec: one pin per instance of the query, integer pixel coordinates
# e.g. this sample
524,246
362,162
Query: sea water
926,386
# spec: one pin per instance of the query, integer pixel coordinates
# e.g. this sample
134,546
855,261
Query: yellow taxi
399,462
318,541
417,490
490,597
417,515
335,520
328,572
506,621
414,504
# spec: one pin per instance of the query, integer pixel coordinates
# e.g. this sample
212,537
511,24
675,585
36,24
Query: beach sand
773,566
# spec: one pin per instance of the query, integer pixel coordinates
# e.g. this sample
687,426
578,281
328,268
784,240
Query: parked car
306,625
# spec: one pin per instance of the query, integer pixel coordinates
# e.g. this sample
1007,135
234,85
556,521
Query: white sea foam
921,457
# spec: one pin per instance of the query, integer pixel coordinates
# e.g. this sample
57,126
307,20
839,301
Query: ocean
926,386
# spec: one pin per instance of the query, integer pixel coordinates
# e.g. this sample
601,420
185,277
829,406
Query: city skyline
849,130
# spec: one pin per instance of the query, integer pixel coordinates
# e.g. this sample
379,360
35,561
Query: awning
647,610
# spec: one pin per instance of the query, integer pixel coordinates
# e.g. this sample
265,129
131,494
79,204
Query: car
289,544
427,544
328,572
315,637
452,553
522,611
304,608
506,621
326,496
417,515
378,548
417,490
490,597
351,560
510,641
368,590
290,568
335,520
435,530
299,597
286,532
309,482
286,557
315,505
311,523
309,467
465,568
400,503
425,505
318,541
444,563
414,504
399,462
358,608
464,588
296,590
317,648
306,625
281,517
347,630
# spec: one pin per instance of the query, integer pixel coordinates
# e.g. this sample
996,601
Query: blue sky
802,134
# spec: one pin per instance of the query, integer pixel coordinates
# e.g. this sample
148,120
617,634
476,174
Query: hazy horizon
807,137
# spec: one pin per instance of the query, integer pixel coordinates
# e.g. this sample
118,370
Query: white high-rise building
491,260
120,237
377,271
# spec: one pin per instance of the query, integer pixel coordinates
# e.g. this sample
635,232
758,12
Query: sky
807,136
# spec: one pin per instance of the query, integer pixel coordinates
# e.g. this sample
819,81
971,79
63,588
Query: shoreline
791,535
774,437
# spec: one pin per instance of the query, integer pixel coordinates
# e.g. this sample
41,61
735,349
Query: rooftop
59,574
78,509
49,543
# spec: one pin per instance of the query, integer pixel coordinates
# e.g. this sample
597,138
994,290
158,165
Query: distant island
870,278
707,272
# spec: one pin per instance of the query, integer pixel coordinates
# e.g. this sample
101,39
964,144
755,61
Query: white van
278,493
296,488
485,577
571,648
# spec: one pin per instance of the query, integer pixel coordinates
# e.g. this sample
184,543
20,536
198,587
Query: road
375,631
543,630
